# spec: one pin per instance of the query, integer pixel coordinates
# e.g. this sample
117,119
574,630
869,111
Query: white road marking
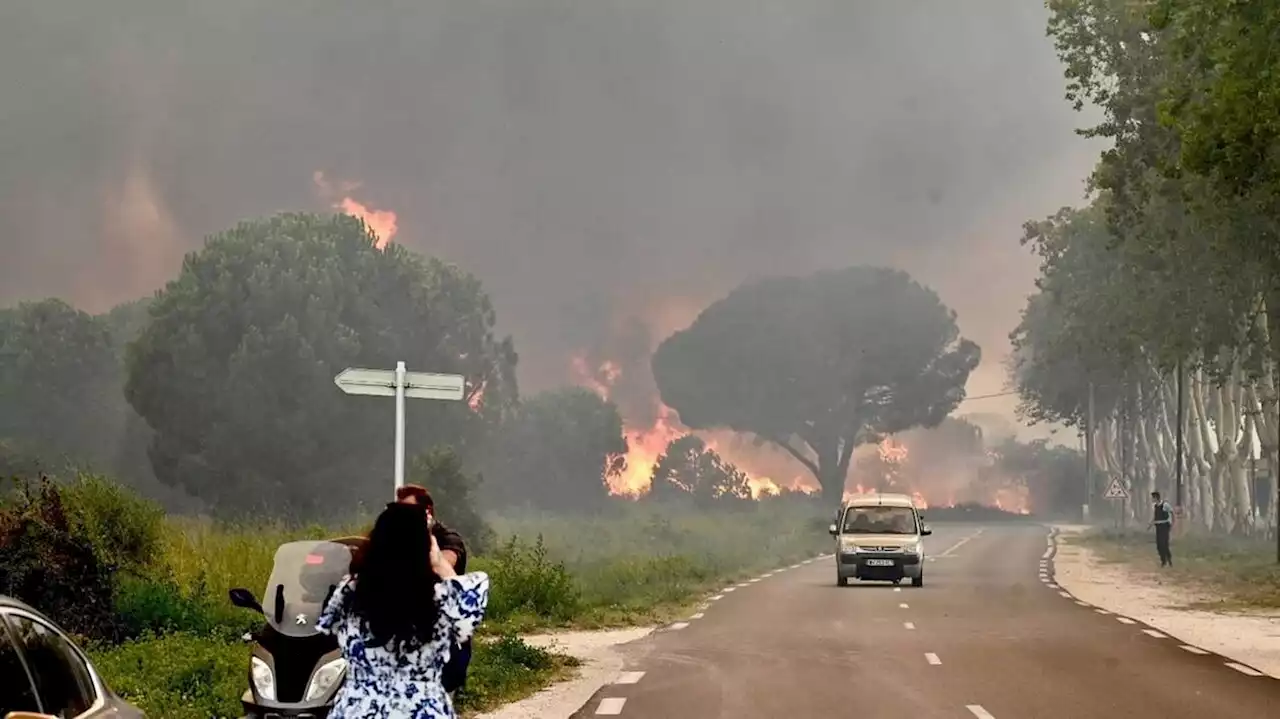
1102,611
1125,620
932,658
897,589
729,589
979,712
741,585
1083,604
903,606
679,625
1193,650
1051,585
699,615
909,625
628,678
1247,671
1153,633
716,598
753,581
961,543
1064,594
611,706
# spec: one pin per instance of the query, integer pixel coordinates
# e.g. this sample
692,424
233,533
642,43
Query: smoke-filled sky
590,161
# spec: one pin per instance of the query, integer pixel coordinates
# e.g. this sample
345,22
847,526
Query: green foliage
48,563
177,676
59,382
688,471
507,669
529,584
834,359
557,451
441,472
124,529
235,368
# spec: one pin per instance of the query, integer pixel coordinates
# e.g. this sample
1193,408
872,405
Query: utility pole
1088,456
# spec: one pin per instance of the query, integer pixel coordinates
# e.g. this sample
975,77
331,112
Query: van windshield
879,520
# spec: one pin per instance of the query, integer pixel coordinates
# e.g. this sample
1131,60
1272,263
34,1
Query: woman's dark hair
394,583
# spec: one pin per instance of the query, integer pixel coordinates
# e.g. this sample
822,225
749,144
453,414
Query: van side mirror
926,530
244,599
832,530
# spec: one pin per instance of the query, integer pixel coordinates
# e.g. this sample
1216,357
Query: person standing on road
1162,520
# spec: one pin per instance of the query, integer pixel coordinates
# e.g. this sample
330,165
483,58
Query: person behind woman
396,619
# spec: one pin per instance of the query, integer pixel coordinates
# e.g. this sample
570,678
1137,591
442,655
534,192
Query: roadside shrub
124,528
506,669
48,563
156,606
526,582
177,676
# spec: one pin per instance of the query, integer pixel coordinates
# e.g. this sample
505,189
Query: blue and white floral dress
404,684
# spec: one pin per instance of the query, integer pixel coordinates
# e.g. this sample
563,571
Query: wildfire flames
897,477
645,444
381,222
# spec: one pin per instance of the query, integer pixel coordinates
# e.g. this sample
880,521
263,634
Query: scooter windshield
302,579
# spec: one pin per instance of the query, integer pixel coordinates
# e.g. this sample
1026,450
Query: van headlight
325,678
913,548
848,546
263,679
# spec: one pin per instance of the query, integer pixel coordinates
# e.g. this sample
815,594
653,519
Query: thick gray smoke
591,161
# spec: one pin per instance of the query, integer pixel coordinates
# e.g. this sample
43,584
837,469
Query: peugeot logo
300,619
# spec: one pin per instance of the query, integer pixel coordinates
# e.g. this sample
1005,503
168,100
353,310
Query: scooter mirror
244,599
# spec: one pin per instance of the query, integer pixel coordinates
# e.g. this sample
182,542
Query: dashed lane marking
978,711
909,625
699,615
1125,620
629,678
903,606
730,589
611,706
960,544
679,625
932,658
1193,650
1102,611
1247,671
1064,594
716,598
1153,633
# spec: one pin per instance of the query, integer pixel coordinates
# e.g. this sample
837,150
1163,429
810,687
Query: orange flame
382,223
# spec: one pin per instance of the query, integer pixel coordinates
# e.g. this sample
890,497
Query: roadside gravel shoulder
1252,638
602,660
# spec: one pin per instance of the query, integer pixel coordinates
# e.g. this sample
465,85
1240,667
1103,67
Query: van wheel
918,581
842,581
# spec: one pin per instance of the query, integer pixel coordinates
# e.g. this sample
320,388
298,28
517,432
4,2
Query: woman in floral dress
396,618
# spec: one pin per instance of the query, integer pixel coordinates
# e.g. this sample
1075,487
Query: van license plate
879,562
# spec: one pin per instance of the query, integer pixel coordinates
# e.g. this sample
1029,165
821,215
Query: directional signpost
400,383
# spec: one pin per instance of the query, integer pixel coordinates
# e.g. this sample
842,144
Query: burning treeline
940,467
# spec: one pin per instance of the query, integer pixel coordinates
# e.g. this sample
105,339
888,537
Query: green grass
1239,572
635,565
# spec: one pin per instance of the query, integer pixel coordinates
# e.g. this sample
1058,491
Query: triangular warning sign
1116,490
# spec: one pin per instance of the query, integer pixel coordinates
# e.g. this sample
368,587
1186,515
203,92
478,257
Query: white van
880,537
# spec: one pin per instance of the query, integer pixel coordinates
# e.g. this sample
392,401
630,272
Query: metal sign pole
400,381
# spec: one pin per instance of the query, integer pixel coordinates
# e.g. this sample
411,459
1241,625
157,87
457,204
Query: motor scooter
295,671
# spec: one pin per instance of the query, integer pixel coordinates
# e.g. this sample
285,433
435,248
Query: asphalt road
987,637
